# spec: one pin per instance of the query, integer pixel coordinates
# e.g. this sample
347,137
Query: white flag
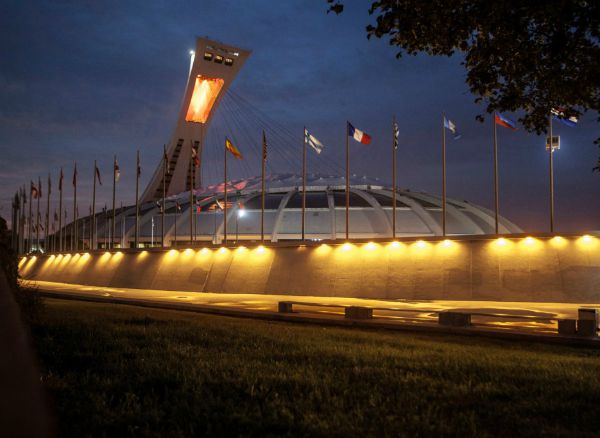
313,142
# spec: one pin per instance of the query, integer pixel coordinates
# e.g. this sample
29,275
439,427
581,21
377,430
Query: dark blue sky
81,80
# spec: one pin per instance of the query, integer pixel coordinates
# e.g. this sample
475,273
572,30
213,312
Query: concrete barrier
285,307
357,312
454,319
535,270
567,327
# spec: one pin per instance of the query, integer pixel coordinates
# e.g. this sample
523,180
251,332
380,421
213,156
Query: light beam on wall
203,98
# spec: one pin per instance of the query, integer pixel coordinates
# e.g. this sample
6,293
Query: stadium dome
417,213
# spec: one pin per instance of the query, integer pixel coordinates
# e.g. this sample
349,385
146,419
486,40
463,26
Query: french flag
358,135
505,122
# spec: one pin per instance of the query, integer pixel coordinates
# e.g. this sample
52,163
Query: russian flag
505,122
358,135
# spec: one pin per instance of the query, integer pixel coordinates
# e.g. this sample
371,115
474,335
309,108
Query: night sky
83,81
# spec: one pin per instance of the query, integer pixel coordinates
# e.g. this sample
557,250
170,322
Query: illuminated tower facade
213,67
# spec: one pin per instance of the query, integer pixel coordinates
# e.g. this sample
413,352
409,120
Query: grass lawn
117,370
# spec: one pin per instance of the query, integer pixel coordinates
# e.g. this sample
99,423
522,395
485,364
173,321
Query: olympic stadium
417,214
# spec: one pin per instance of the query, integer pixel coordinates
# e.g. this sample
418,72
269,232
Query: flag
358,135
177,206
60,180
49,185
449,124
231,148
117,171
39,188
313,142
195,157
139,168
98,175
505,122
34,193
264,147
396,133
560,115
74,176
166,159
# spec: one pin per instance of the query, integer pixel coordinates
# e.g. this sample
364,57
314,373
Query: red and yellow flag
231,148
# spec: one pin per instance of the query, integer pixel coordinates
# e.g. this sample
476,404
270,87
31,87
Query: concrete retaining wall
523,269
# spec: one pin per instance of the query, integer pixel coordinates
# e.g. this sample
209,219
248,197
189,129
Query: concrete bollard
587,314
587,327
355,312
454,319
587,321
285,307
567,327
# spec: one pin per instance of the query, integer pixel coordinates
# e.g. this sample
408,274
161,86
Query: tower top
213,67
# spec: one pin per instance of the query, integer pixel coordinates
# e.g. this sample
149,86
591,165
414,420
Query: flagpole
46,246
262,200
496,197
304,185
137,201
122,242
19,226
194,211
76,220
394,178
347,183
106,228
112,237
225,194
14,224
74,197
37,215
443,176
65,235
551,164
164,187
191,195
176,217
30,227
93,226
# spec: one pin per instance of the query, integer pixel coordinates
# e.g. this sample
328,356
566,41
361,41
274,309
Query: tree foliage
519,55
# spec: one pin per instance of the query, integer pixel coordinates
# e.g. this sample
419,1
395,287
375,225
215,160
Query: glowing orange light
501,241
346,247
395,244
529,241
446,243
222,250
370,246
586,239
420,244
203,98
260,249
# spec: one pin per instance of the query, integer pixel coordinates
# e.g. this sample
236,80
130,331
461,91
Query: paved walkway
524,317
